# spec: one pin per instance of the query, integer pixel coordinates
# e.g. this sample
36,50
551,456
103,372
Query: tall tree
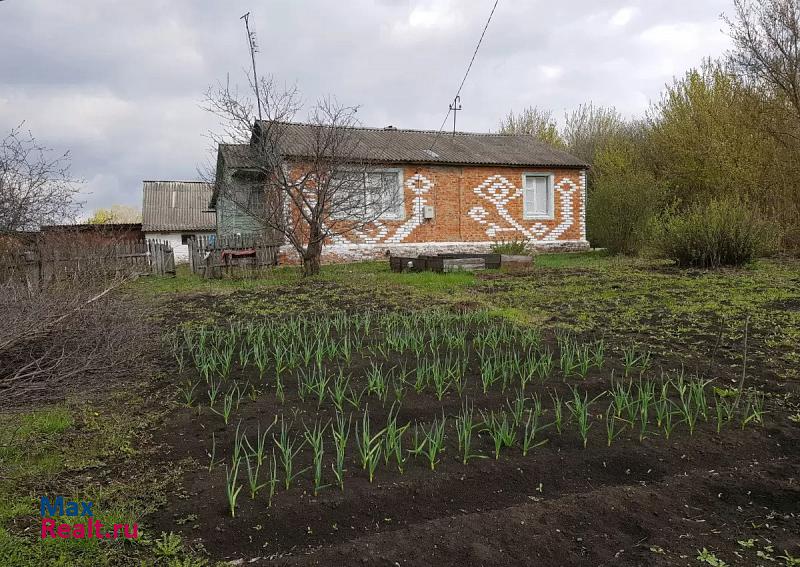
589,128
309,197
703,141
534,122
36,187
766,39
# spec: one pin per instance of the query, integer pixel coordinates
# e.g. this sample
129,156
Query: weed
707,557
168,545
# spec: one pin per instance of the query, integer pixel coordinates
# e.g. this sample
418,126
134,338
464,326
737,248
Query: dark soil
650,502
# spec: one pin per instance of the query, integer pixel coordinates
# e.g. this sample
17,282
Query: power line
464,80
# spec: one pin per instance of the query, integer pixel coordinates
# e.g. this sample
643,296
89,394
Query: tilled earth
652,502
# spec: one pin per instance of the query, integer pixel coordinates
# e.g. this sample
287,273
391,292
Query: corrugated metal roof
177,205
414,146
239,156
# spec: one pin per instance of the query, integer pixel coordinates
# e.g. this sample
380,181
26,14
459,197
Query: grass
43,453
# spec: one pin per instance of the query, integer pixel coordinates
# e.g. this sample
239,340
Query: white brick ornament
419,185
499,191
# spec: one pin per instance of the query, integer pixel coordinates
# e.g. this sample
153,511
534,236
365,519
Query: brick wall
473,207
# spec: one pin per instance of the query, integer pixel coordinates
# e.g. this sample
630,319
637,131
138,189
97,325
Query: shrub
623,196
720,232
512,247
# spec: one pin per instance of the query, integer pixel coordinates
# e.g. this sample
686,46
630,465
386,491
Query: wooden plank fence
214,257
43,263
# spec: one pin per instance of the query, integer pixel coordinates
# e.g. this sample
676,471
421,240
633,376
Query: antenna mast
454,108
251,41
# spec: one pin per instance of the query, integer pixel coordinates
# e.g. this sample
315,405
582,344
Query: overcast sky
120,82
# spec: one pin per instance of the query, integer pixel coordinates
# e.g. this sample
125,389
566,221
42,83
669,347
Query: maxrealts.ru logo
90,528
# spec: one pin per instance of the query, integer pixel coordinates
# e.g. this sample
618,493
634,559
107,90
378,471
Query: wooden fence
50,261
214,257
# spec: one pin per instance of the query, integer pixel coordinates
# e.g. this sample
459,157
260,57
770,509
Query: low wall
343,253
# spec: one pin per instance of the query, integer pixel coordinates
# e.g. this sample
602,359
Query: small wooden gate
214,257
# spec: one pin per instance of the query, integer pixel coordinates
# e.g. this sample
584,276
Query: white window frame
401,214
551,209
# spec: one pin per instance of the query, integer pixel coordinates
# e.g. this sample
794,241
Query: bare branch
35,185
307,191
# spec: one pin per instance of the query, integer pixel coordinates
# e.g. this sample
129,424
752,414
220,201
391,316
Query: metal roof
421,147
239,156
176,206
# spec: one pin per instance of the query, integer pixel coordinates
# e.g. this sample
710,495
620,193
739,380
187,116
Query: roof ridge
395,129
175,181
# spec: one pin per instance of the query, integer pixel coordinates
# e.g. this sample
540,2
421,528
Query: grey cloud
120,82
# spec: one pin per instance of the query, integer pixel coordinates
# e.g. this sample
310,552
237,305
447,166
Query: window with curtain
538,196
377,193
384,187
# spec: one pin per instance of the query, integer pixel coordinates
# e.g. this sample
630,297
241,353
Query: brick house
467,192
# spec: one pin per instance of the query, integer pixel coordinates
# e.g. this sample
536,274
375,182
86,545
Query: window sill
538,217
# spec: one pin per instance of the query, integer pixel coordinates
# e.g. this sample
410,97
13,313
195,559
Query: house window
254,198
386,188
375,194
185,238
537,196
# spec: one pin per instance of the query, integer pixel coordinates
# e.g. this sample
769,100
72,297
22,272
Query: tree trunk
311,259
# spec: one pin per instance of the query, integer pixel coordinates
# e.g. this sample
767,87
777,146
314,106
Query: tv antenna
251,41
456,105
454,108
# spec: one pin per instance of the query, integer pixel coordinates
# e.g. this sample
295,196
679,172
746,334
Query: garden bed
715,488
565,495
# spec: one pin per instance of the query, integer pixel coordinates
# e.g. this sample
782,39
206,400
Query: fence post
191,253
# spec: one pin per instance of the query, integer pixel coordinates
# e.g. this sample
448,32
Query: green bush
512,247
623,197
719,232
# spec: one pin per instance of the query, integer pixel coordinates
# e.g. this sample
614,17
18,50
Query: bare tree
534,122
309,189
766,37
35,185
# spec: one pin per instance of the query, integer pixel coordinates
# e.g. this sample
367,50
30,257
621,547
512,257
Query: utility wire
469,67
